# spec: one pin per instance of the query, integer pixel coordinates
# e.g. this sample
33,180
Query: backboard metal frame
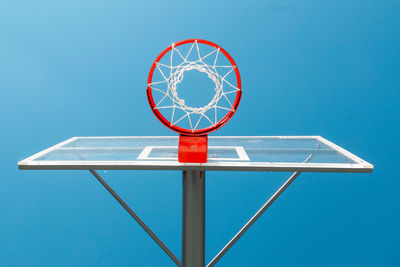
359,165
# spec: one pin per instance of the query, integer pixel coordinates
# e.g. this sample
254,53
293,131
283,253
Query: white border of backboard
359,165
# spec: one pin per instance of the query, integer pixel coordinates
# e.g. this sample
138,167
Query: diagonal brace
254,218
136,217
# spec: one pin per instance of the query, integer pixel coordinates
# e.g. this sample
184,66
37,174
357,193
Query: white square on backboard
240,152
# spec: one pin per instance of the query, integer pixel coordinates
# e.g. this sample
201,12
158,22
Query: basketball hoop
193,123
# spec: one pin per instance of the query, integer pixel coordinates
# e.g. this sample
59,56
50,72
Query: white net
171,70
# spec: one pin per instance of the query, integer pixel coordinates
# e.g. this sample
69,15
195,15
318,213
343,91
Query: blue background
79,68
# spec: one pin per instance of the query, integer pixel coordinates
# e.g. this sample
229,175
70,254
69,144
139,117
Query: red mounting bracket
193,149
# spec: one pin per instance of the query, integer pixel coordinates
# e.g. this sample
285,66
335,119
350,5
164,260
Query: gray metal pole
193,218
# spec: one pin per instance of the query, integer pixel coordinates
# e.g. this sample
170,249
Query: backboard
225,153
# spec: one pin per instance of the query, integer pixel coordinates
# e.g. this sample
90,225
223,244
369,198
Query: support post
193,218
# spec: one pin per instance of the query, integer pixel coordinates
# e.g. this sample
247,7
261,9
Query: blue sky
79,68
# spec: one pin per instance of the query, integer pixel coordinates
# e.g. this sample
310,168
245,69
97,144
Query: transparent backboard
229,153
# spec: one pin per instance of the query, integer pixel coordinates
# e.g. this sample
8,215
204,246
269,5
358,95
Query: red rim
184,130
